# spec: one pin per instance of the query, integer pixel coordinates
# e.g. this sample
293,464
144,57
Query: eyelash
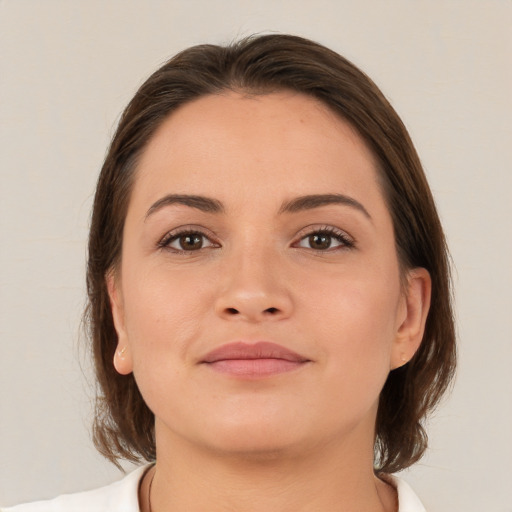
172,236
345,241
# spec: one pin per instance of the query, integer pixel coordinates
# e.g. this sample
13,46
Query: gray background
68,68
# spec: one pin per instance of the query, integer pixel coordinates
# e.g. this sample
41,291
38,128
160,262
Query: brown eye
187,242
190,242
325,240
319,241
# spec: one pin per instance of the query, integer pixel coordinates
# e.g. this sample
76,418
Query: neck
331,477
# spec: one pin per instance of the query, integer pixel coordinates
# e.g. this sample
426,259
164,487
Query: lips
260,350
253,361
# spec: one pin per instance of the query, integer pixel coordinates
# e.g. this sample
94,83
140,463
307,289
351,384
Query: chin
258,451
258,440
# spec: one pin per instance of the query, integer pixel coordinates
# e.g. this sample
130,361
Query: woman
269,299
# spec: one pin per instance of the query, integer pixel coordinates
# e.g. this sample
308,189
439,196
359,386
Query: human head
257,66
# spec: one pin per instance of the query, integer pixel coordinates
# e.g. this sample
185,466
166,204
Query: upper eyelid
323,228
187,228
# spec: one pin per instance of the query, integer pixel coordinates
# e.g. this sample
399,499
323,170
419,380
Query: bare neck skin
332,477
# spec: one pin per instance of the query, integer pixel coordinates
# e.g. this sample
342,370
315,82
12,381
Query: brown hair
124,426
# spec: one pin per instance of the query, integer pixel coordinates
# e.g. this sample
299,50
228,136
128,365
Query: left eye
322,241
188,242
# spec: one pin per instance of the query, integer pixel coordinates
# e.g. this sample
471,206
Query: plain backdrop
69,67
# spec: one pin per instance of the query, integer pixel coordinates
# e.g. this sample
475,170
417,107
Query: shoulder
121,496
408,501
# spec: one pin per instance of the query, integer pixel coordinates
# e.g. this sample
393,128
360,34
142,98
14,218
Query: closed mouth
249,351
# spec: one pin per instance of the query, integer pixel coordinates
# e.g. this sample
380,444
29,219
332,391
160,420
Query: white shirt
122,496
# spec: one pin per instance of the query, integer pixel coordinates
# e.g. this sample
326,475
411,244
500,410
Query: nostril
250,312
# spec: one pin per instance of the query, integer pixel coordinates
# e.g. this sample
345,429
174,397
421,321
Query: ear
412,317
122,358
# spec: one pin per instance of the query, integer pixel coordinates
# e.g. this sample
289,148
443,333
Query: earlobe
412,322
122,360
122,357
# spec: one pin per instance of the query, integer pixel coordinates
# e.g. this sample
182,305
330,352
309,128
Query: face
258,301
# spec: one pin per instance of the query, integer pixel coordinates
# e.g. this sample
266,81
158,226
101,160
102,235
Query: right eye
186,241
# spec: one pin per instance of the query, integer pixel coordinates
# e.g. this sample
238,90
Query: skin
300,440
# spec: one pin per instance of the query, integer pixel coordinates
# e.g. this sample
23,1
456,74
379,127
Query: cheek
164,313
353,321
165,316
352,300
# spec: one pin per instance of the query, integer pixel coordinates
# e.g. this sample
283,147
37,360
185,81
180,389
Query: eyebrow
316,201
210,205
205,204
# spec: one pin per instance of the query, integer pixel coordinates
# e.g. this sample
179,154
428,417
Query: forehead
230,142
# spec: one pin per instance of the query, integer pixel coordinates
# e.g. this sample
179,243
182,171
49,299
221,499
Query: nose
253,289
